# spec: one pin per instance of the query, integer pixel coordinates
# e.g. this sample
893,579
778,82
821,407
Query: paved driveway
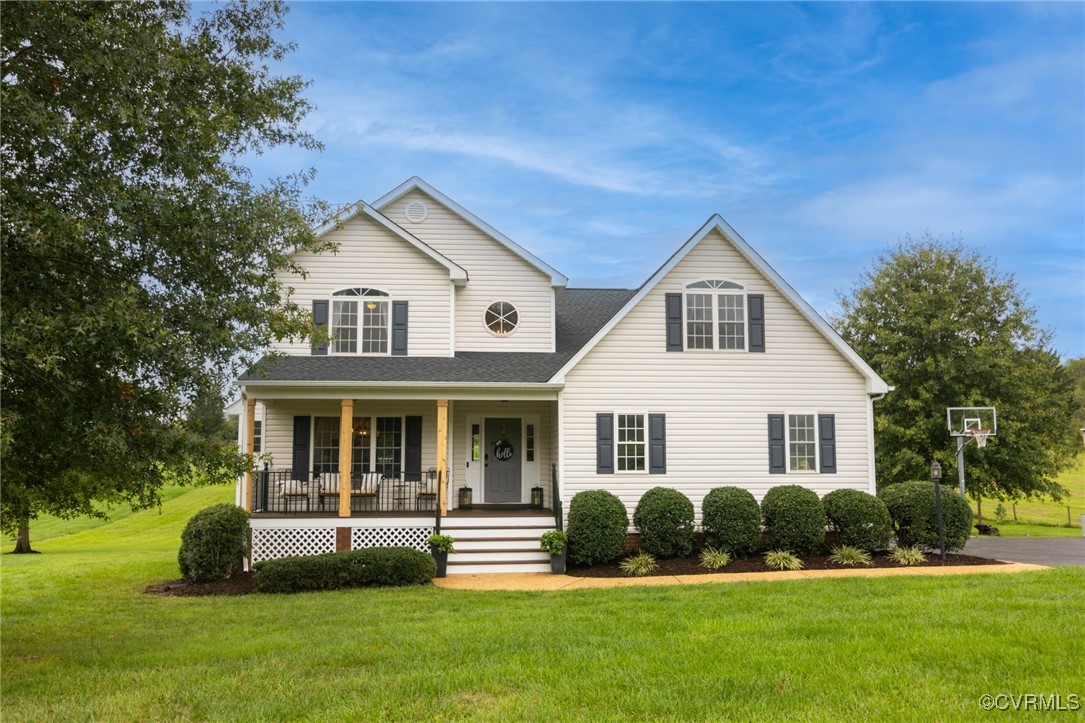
1051,551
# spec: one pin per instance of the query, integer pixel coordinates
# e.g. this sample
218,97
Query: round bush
598,526
731,520
665,519
860,518
915,515
794,519
212,541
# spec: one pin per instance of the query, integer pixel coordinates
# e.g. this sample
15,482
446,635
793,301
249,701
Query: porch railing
290,492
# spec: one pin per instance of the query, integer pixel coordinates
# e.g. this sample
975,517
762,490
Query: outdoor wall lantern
537,497
464,500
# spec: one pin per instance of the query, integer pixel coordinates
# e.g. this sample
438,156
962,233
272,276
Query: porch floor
475,511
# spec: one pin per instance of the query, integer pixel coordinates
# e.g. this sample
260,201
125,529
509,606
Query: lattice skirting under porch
281,540
390,537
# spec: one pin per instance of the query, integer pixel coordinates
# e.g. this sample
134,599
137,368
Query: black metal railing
555,497
290,492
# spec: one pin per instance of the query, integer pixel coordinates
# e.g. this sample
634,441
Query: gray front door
502,457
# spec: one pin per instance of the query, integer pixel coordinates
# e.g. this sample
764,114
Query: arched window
715,315
360,321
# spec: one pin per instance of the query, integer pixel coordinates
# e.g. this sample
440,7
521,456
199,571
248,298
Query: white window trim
715,293
787,442
332,298
519,319
645,443
372,438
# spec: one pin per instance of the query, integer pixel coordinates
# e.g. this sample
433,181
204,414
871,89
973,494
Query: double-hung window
801,443
360,319
715,315
631,446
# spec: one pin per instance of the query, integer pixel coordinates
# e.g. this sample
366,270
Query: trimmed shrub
665,519
915,516
860,518
368,567
214,539
598,527
731,520
794,519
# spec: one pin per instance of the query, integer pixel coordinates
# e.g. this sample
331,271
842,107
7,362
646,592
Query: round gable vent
416,212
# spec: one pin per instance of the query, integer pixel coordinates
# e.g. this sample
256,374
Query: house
464,385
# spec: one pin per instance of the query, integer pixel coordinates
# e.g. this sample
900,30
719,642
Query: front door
502,456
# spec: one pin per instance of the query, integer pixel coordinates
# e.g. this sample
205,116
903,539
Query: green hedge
664,517
598,527
368,567
794,519
915,516
213,541
861,519
732,520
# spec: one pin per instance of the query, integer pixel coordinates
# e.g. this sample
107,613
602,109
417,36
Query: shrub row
793,518
368,567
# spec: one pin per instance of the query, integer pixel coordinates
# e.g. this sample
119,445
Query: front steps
497,544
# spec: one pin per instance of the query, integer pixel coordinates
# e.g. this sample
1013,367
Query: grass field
82,642
1045,512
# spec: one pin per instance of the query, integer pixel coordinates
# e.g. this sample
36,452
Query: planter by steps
442,560
556,542
439,546
557,562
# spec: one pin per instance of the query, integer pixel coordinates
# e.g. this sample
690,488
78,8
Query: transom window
801,443
715,315
502,318
631,447
360,320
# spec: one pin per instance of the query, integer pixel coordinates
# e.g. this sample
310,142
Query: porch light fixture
537,497
464,498
371,305
936,478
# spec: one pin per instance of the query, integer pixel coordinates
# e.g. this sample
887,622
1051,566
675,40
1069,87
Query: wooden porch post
442,454
346,444
250,449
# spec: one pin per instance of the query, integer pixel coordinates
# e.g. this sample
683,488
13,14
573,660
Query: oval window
502,318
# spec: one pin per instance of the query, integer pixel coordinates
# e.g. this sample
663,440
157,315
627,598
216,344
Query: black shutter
604,444
777,445
657,444
674,322
320,320
755,304
412,461
827,442
301,447
399,328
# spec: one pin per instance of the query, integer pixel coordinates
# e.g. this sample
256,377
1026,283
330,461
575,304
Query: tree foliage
138,253
942,326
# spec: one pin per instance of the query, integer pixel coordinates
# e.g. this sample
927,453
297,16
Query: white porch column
250,450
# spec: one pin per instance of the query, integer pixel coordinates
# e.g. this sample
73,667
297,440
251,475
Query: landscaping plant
732,520
714,559
638,565
554,542
368,567
664,517
794,519
782,560
213,541
598,527
848,555
441,543
859,518
907,556
912,507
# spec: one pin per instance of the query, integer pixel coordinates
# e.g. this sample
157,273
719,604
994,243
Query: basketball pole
962,442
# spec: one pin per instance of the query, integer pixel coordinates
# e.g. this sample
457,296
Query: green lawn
1046,512
47,527
82,642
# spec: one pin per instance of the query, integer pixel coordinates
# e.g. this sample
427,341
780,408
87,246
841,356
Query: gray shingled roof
580,313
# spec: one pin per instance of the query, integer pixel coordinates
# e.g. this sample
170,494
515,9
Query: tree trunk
979,510
22,541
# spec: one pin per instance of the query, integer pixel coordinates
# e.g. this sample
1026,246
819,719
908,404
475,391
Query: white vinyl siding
370,255
716,405
496,274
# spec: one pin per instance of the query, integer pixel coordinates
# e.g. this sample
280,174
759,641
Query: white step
500,567
532,522
500,555
477,533
464,544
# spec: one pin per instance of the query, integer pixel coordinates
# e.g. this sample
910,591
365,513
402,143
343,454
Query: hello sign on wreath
503,450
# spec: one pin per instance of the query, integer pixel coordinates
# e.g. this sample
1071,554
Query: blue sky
601,136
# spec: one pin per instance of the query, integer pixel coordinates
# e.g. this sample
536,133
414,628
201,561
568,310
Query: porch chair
294,491
365,490
329,491
426,499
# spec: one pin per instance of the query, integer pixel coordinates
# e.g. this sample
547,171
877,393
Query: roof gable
556,277
457,273
875,384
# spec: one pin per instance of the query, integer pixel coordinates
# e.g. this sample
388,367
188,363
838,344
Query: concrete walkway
1049,551
546,581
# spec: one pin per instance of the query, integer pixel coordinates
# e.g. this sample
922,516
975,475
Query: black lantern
936,478
536,497
464,502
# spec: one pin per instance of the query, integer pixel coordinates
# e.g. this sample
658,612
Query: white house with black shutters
457,380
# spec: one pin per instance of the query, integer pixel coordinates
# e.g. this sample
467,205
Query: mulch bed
692,565
240,583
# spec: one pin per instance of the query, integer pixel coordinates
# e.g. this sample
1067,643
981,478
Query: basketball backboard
968,421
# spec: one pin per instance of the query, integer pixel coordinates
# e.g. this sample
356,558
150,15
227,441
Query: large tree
139,256
942,326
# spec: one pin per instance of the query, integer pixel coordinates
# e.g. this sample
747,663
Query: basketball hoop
980,435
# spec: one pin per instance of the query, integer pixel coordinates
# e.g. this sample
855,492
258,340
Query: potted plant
439,547
555,542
